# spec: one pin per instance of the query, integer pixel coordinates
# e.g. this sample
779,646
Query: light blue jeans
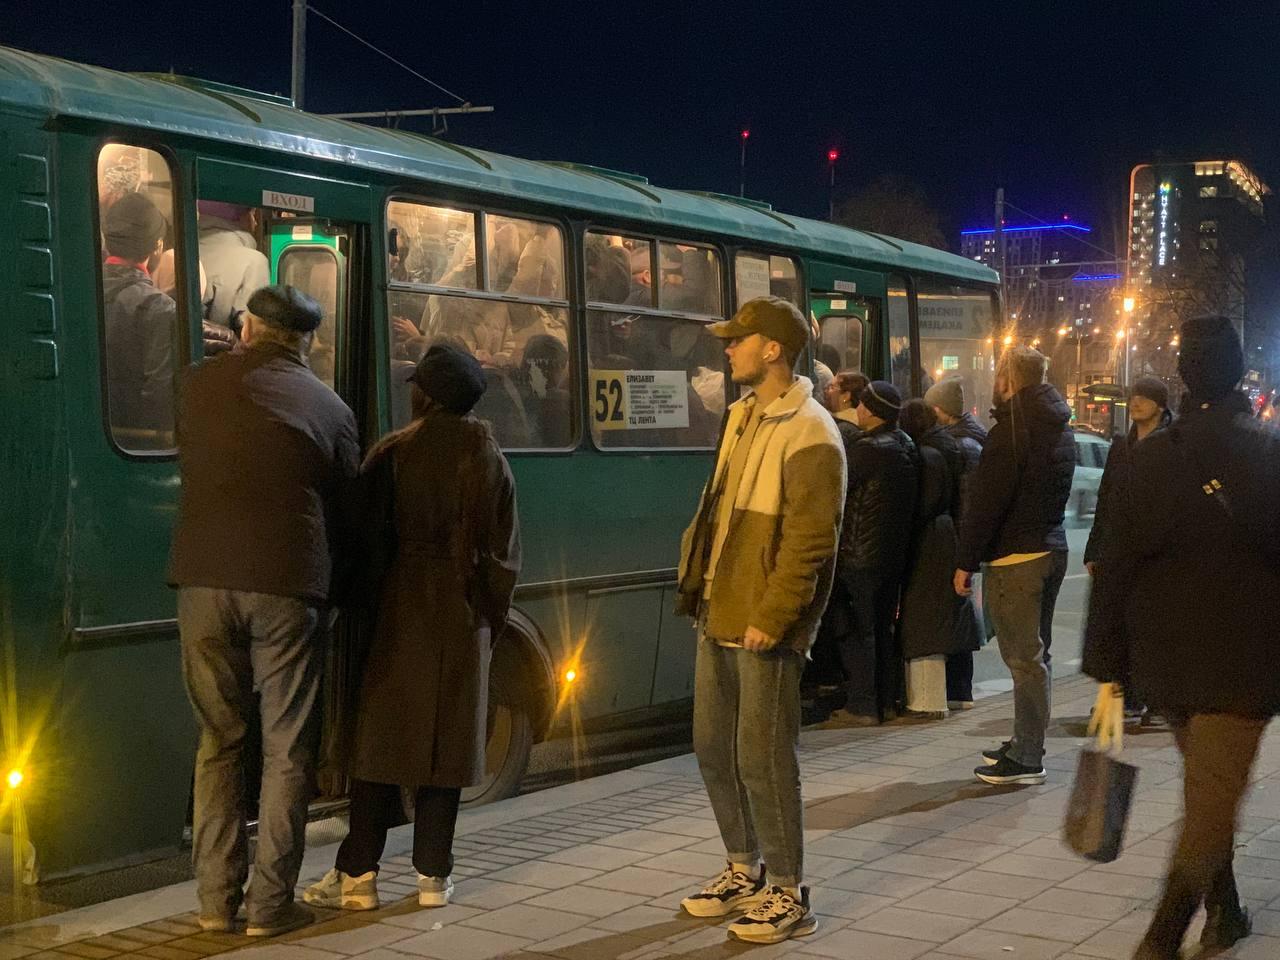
746,731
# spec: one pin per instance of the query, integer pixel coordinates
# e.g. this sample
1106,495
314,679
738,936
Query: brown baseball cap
770,317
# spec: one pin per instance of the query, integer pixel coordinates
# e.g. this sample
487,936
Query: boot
1223,926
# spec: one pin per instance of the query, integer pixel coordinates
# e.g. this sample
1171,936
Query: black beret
1210,357
451,377
285,308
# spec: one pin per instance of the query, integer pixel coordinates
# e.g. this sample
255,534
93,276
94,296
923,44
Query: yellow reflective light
570,676
1008,341
14,779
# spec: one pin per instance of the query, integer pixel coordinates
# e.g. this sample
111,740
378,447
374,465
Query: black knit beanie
1210,358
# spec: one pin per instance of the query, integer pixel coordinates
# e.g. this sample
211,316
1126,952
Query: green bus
585,292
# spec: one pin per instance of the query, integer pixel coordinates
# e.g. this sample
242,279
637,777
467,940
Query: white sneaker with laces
339,891
434,891
732,890
779,916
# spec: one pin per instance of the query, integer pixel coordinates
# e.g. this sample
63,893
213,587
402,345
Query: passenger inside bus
140,323
230,256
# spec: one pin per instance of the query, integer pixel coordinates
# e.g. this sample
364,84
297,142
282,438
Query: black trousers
375,808
868,649
1218,750
960,676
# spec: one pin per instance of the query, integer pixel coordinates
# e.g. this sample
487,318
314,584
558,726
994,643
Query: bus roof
56,88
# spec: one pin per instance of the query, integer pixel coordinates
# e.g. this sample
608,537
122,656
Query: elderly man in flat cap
269,457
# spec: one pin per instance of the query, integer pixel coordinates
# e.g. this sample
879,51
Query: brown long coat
442,512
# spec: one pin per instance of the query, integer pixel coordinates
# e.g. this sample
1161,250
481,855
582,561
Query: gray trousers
236,645
746,729
1020,599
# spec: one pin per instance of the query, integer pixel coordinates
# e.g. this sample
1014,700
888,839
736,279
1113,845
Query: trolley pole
742,164
299,51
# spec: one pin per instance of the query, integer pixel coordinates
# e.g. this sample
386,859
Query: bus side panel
33,476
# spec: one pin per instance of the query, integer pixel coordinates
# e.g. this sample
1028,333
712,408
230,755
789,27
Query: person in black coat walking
946,397
933,621
1202,509
872,557
1013,523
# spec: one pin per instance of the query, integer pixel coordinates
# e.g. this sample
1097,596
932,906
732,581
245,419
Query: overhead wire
376,49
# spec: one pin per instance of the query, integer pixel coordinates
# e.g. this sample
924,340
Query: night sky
1056,101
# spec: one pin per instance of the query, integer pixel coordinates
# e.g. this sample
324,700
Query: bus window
899,336
526,258
955,332
141,323
315,271
759,275
654,382
521,340
434,245
840,346
690,279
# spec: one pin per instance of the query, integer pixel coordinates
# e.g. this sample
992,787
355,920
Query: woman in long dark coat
934,622
442,517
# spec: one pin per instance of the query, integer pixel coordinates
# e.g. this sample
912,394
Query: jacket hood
1041,402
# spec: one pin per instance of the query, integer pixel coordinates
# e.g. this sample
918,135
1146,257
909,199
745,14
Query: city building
1062,294
1193,226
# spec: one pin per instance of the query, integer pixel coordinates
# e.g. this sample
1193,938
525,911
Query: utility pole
832,156
999,238
299,51
742,164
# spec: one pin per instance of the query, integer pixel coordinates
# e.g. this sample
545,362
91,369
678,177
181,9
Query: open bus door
862,322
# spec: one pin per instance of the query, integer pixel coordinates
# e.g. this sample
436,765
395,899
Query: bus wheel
510,739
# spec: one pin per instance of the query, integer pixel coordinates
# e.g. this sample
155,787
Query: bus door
863,323
313,234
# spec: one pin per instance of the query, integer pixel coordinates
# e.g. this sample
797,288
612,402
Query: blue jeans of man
235,646
746,731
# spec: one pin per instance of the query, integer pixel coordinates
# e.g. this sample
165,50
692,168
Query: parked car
1091,457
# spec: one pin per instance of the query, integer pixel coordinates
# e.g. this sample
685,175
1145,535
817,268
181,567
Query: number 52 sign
639,399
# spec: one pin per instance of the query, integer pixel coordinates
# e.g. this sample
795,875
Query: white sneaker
779,916
338,891
434,891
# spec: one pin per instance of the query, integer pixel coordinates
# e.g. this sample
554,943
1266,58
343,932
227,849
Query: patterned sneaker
732,890
434,891
778,917
338,891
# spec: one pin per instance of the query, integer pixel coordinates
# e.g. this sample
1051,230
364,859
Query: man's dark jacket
879,508
1111,489
269,457
141,323
1186,600
1017,496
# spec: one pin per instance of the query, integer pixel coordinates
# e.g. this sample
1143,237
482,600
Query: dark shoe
991,757
1146,951
292,917
842,718
1008,771
1222,928
922,716
889,714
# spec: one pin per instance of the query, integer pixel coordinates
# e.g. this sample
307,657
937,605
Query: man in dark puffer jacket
1012,522
872,557
1202,511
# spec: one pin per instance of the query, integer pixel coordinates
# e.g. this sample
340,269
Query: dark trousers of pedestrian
746,734
960,677
233,644
376,808
868,650
1021,598
1218,751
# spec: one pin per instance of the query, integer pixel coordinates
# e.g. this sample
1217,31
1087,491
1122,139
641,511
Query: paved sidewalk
910,859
